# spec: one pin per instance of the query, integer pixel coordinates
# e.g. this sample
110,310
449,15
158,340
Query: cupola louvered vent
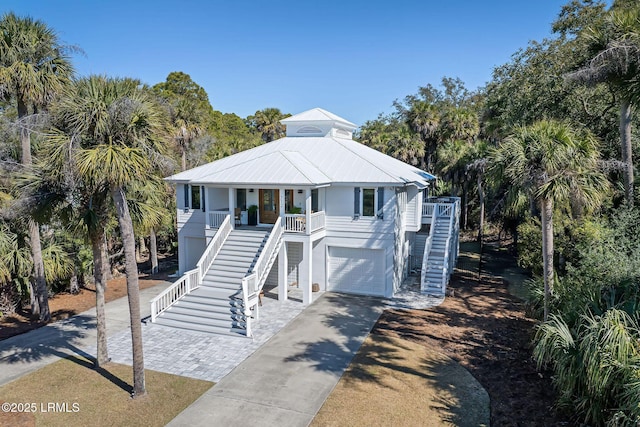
306,130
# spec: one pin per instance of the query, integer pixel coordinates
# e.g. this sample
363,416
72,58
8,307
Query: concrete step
225,330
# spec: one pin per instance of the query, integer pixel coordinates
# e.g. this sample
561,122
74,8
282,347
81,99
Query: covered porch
301,210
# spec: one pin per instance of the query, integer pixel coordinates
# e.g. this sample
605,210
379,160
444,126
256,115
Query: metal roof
306,161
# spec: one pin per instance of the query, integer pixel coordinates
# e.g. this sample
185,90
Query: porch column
305,271
281,203
232,205
308,210
283,266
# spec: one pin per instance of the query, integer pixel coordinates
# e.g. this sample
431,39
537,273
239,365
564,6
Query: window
314,200
195,197
241,198
368,202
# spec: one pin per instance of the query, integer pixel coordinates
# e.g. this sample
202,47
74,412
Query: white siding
414,209
294,257
217,199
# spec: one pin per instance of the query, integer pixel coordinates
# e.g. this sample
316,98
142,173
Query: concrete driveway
287,380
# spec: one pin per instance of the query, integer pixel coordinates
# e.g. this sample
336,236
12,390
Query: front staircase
441,249
217,305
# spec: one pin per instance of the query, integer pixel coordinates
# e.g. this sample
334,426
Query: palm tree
551,162
34,67
616,61
116,133
267,123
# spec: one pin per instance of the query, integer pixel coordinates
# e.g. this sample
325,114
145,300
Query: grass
393,381
101,397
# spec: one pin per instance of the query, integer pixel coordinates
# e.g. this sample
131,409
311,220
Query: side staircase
217,306
441,250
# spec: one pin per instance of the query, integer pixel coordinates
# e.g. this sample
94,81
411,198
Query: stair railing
427,249
447,262
191,279
252,283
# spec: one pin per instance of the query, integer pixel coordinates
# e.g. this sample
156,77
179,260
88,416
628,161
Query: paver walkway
32,350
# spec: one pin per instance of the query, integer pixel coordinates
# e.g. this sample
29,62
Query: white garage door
355,270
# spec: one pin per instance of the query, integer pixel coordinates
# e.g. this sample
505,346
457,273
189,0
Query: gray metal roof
303,162
306,161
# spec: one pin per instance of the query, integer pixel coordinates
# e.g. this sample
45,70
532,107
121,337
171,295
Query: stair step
223,266
195,319
208,304
214,293
248,239
232,331
219,272
231,314
237,260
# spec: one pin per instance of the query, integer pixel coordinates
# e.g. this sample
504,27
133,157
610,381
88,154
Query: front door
269,206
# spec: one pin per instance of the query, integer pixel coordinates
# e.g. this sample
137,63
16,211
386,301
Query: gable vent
343,133
309,129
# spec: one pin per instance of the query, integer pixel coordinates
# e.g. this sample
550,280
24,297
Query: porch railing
317,221
252,283
295,223
215,218
192,279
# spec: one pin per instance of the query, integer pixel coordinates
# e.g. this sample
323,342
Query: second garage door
356,270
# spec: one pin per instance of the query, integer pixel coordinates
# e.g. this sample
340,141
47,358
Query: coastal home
315,209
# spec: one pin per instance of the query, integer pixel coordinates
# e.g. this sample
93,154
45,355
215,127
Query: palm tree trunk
133,289
184,159
41,306
481,201
625,142
98,245
153,251
547,252
39,296
465,197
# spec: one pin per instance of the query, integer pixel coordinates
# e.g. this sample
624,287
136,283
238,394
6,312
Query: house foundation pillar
282,273
305,271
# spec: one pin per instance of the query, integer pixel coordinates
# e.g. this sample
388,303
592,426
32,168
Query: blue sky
353,58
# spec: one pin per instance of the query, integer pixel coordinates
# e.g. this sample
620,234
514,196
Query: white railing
252,282
192,278
444,209
425,256
181,287
214,246
428,208
317,221
295,223
215,218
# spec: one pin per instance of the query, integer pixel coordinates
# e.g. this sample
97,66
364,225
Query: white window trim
375,202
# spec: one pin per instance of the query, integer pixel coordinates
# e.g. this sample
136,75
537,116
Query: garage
357,270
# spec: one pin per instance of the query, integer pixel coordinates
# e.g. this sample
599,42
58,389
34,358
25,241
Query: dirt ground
64,305
484,328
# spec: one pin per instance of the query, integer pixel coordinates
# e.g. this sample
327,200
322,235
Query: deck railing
297,223
215,218
317,221
192,279
252,283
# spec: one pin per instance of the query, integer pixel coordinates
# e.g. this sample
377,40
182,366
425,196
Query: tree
615,44
267,123
552,162
117,135
34,67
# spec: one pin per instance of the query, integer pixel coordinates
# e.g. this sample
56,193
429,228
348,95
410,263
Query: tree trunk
39,295
99,248
133,289
41,306
184,158
74,288
481,201
547,252
153,251
465,211
625,142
